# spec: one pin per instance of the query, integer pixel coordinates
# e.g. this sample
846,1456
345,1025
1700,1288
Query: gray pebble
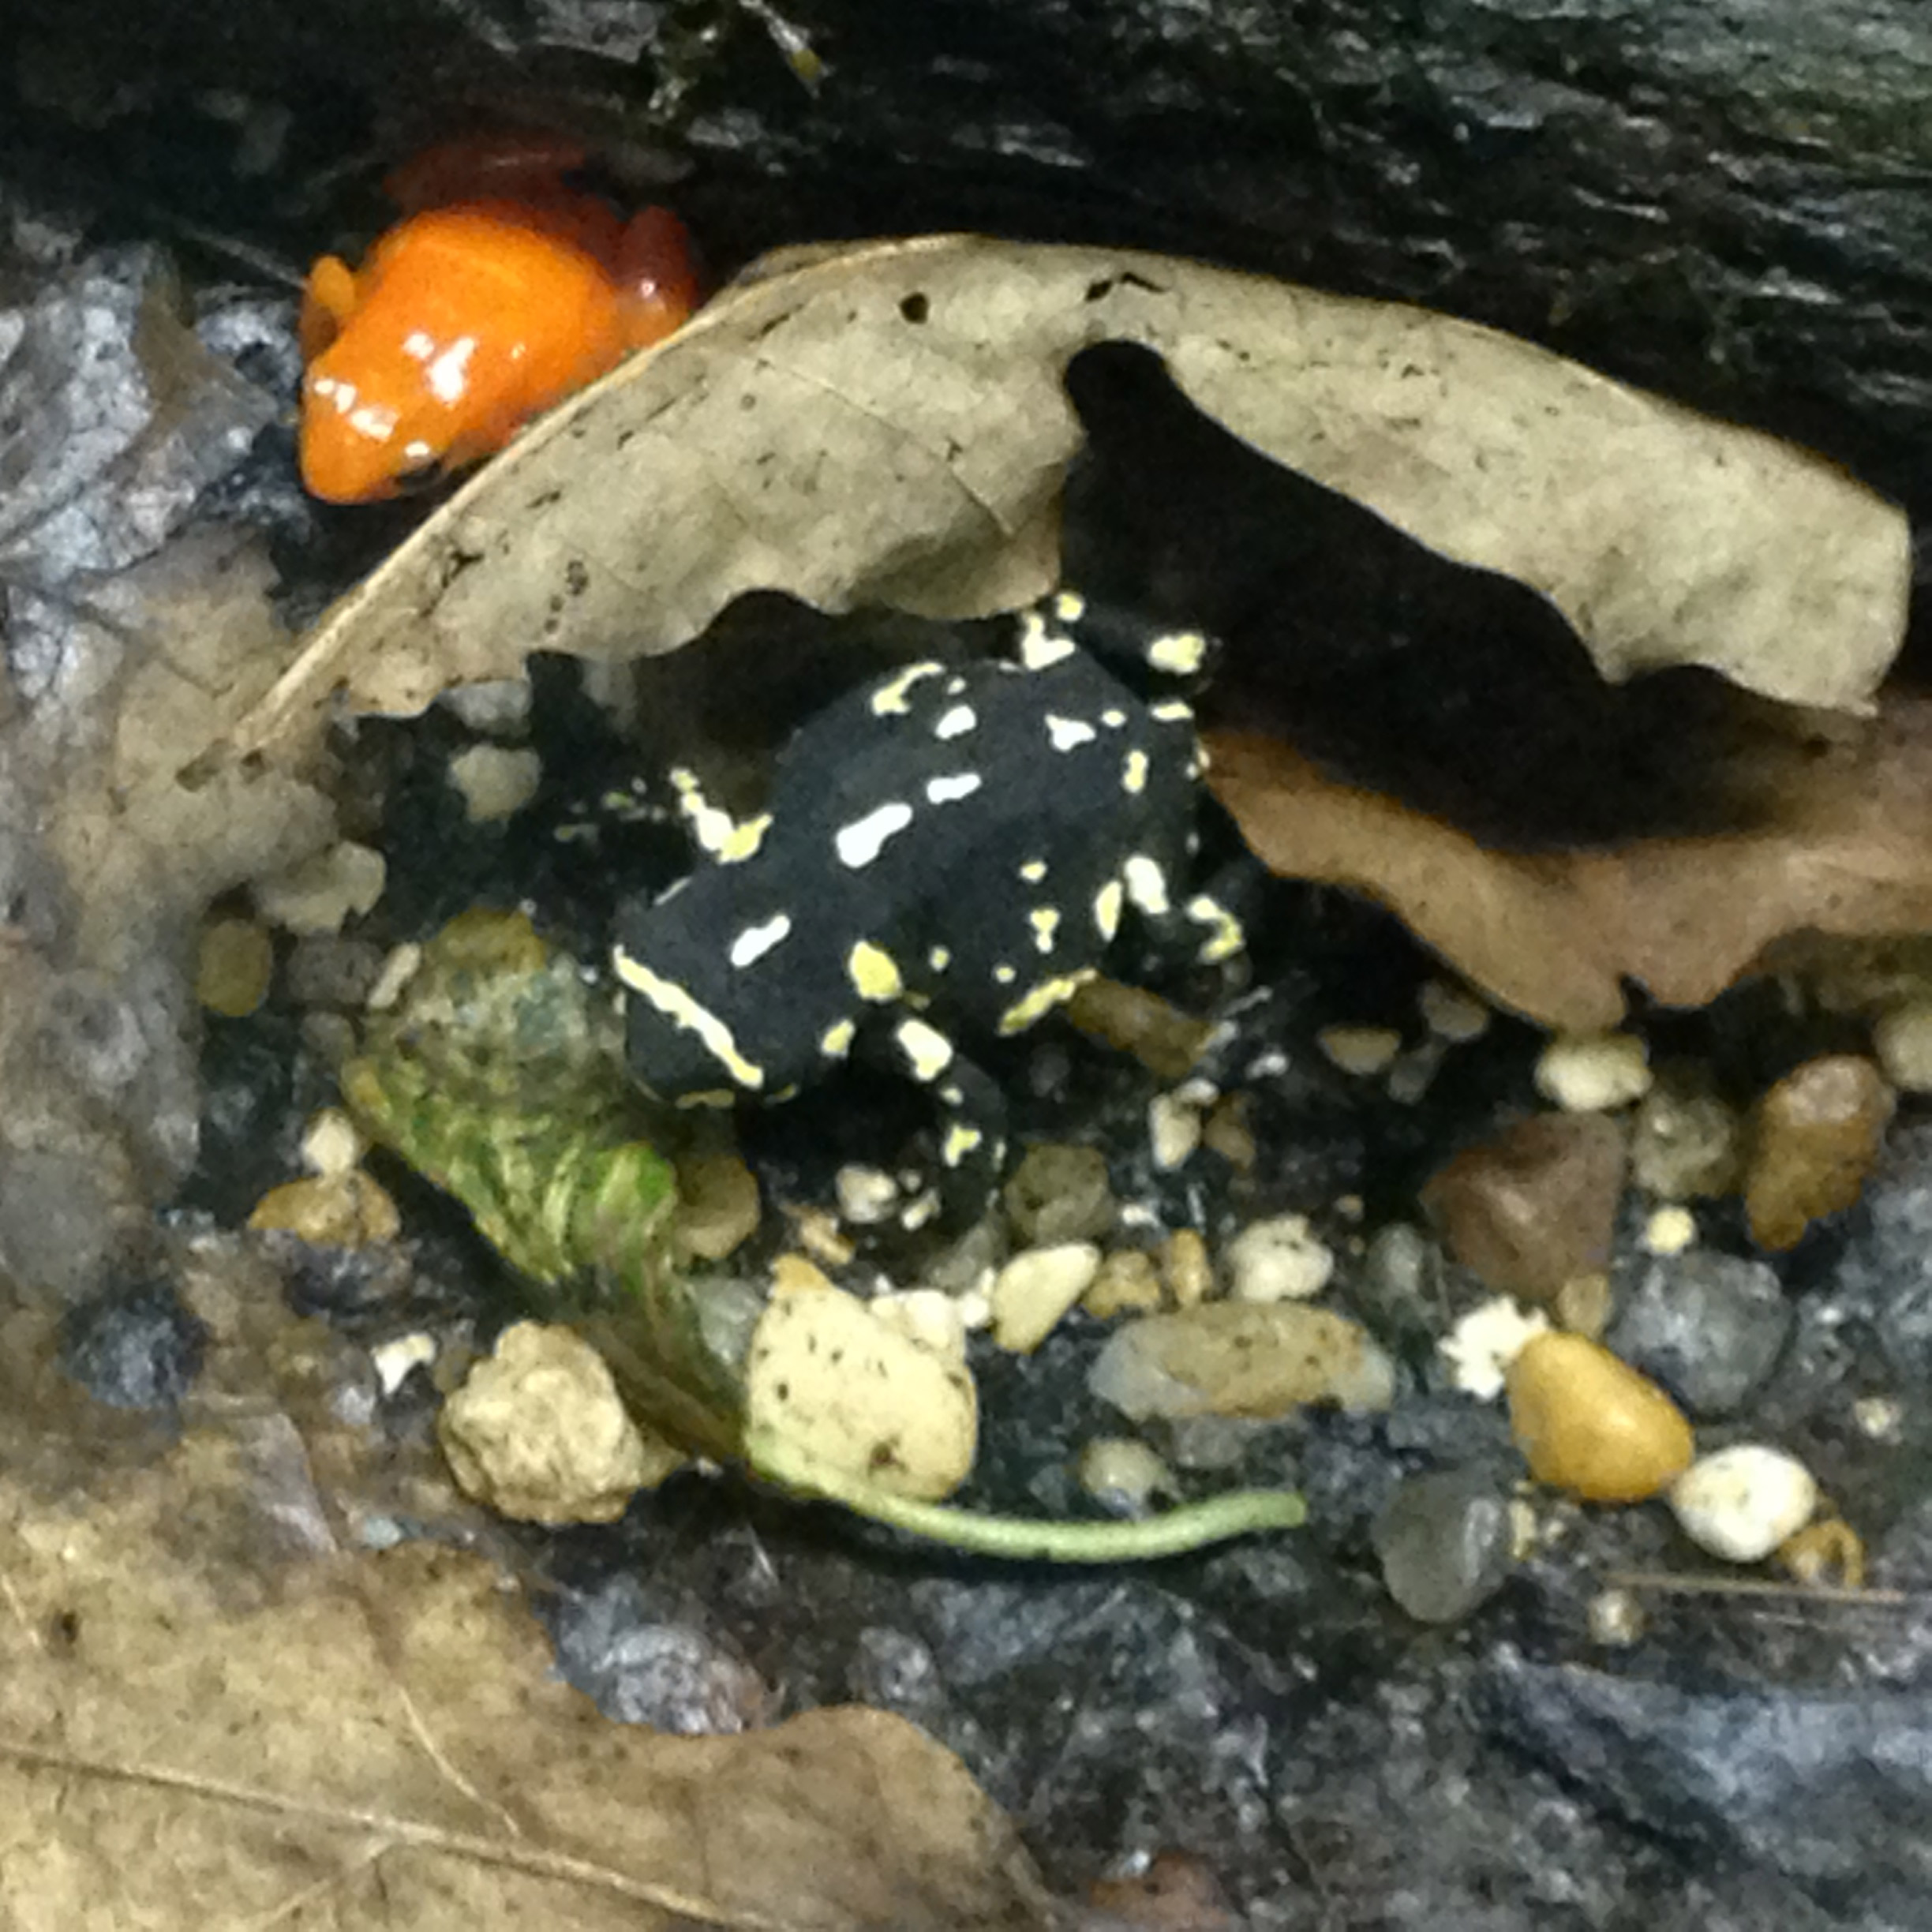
1709,1327
1445,1543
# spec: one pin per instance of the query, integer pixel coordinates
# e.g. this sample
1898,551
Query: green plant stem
1022,1539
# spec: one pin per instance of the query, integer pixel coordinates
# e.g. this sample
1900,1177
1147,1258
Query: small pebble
1816,1136
1226,1132
1185,1268
718,1209
235,964
133,1346
1123,1474
1480,1348
1594,1072
1128,1283
795,1274
398,968
1229,1358
1617,1618
820,1235
1452,1013
350,1210
1687,1142
866,1196
1279,1260
494,708
1828,1553
1741,1502
1036,1289
1445,1543
1173,1130
1590,1424
1362,1051
1670,1231
397,1359
1059,1193
1536,1206
539,1433
319,895
1903,1041
1582,1305
332,1143
495,783
1879,1418
1165,1040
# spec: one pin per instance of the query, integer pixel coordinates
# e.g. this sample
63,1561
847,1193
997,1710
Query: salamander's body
948,853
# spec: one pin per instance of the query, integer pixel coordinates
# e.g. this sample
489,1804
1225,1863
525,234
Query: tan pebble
1535,1206
318,895
1261,1360
792,1274
1816,1136
1124,1471
927,1316
235,964
820,1235
1670,1231
1687,1141
1035,1289
1128,1283
1173,1130
1226,1133
1453,1013
330,1210
539,1433
718,1209
1165,1040
1590,1424
1281,1259
1360,1049
1186,1269
866,1196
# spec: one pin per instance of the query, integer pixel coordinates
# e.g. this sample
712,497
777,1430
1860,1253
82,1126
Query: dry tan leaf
887,425
195,1734
1845,851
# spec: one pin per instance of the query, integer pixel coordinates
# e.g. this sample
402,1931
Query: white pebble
1480,1347
1034,1289
1591,1073
1279,1260
1360,1049
926,1315
866,1196
320,893
1670,1231
332,1143
1741,1502
498,708
1173,1130
394,1359
1903,1041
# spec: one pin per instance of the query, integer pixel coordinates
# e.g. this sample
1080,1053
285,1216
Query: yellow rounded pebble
233,966
349,1210
1590,1424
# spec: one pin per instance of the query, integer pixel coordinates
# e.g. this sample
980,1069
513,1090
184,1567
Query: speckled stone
1445,1543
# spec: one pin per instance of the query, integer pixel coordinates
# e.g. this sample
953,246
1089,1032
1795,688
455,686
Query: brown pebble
1226,1132
1815,1136
1186,1268
1827,1552
1167,1041
1128,1283
1535,1206
1060,1192
1177,1893
1588,1423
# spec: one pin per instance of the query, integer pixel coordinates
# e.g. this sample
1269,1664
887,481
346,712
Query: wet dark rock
647,1662
1709,1327
1831,1790
1444,1543
133,1346
1885,1270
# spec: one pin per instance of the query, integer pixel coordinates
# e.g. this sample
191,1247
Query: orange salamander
477,312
